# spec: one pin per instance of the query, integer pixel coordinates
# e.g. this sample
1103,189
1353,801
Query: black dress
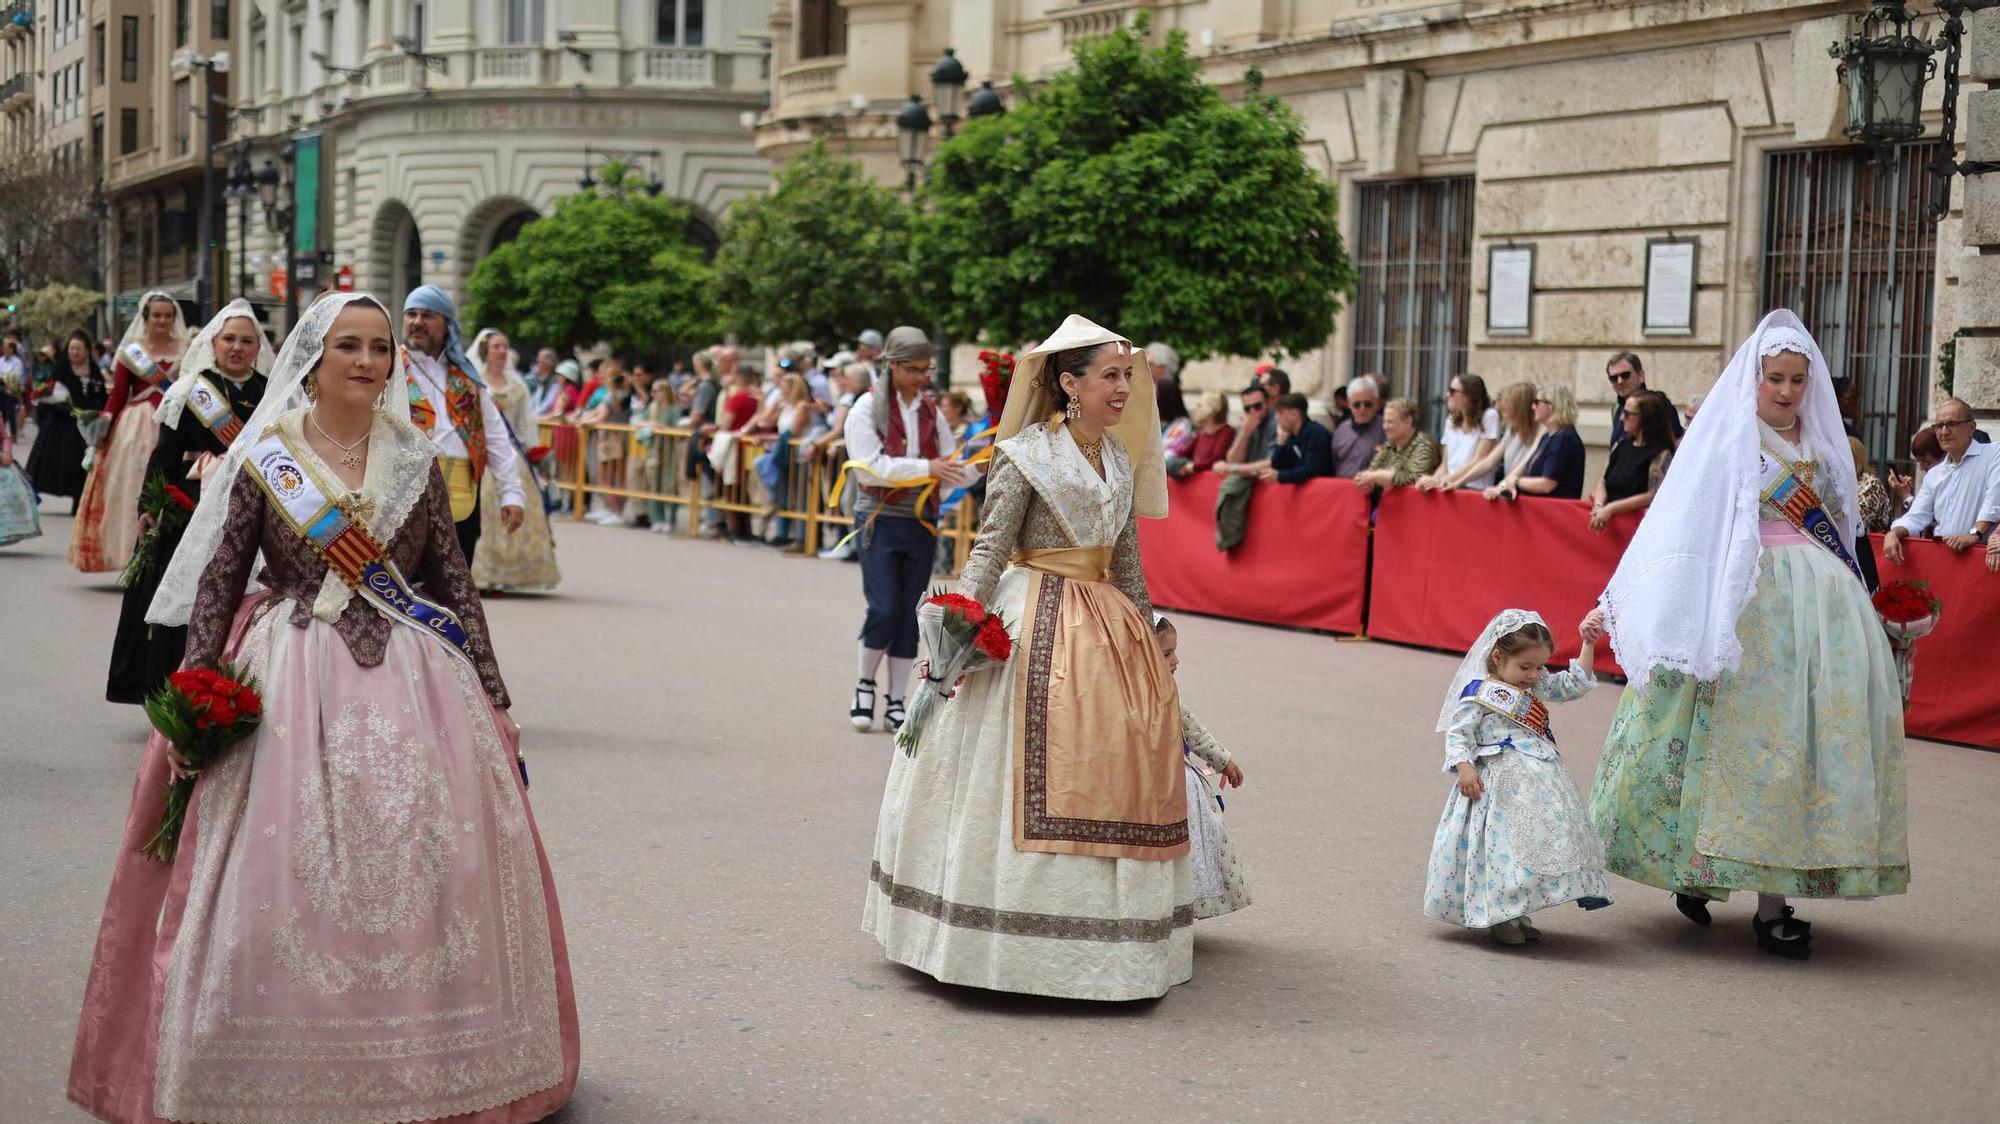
142,654
1630,470
56,462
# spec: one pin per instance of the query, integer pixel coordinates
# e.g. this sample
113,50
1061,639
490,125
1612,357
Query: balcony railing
811,84
14,89
16,18
675,68
511,66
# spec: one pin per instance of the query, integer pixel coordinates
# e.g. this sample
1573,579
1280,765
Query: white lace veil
135,331
174,602
1692,566
199,358
1474,664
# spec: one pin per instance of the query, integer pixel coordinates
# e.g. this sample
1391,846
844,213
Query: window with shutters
1413,251
822,28
1847,247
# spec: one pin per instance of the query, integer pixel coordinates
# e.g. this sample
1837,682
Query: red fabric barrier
1955,694
1446,562
1304,562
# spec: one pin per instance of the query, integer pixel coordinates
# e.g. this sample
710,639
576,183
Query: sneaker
862,715
1508,933
746,539
662,528
710,533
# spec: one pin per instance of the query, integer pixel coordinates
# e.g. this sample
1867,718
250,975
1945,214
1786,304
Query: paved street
709,816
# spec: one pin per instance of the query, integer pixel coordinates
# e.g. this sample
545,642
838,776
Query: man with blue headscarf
450,403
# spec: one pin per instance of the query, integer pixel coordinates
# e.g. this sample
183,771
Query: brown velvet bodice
425,549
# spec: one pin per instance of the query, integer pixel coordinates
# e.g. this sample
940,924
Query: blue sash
329,527
1802,508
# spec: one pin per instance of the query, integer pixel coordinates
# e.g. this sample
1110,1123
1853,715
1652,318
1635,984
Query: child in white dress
1218,874
1515,836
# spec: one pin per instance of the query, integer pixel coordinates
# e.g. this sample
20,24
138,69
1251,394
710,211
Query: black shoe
1693,908
892,716
863,714
1784,936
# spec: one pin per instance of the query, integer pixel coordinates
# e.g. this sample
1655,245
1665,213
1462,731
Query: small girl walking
1515,836
1218,874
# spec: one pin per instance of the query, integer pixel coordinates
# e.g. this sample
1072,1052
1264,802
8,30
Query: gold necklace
1093,451
348,457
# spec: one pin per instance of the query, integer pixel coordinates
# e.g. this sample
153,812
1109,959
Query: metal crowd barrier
651,467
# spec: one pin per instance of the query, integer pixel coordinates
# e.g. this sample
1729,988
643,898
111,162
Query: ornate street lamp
985,102
913,134
948,88
1884,68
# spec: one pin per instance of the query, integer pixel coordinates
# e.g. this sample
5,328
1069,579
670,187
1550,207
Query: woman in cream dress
523,559
1036,839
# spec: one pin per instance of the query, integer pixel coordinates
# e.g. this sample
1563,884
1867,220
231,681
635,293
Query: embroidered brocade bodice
425,548
1021,517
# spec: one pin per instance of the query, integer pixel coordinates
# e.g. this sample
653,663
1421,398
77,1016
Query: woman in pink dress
107,519
359,926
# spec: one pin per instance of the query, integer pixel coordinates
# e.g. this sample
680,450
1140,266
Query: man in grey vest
898,441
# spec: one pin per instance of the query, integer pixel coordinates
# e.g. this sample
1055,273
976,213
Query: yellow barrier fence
641,464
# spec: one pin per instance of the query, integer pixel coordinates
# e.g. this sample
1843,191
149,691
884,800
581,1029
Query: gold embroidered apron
1097,753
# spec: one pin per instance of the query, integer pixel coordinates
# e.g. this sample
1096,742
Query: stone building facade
443,126
1606,138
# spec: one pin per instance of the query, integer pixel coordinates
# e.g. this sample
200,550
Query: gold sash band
1077,563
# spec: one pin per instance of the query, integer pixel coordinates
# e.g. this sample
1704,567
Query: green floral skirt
1785,776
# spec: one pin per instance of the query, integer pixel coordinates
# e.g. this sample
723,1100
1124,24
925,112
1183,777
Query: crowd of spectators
1506,444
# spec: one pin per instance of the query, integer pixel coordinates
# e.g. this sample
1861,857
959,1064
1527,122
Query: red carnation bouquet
170,508
201,712
1909,611
996,377
962,637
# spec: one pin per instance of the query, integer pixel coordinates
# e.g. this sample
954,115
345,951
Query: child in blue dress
1515,836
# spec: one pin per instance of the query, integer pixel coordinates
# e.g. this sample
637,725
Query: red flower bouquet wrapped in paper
962,636
1909,611
201,712
170,509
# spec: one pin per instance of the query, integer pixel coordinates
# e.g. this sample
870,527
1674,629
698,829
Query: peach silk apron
1097,750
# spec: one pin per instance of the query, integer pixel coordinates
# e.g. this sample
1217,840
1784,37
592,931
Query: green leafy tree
1129,191
822,257
612,265
54,311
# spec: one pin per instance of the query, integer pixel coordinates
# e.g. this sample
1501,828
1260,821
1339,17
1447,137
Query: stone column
1976,369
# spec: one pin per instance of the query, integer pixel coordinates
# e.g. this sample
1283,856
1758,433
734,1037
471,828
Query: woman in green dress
1759,746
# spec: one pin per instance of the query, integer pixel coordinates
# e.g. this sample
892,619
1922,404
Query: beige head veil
1030,401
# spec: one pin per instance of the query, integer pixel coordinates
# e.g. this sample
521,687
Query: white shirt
1953,497
11,365
501,459
864,445
1460,446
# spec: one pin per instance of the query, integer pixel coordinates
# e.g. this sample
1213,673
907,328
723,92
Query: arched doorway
410,257
492,225
395,254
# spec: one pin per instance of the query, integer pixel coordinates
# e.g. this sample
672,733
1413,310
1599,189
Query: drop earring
1072,411
312,387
